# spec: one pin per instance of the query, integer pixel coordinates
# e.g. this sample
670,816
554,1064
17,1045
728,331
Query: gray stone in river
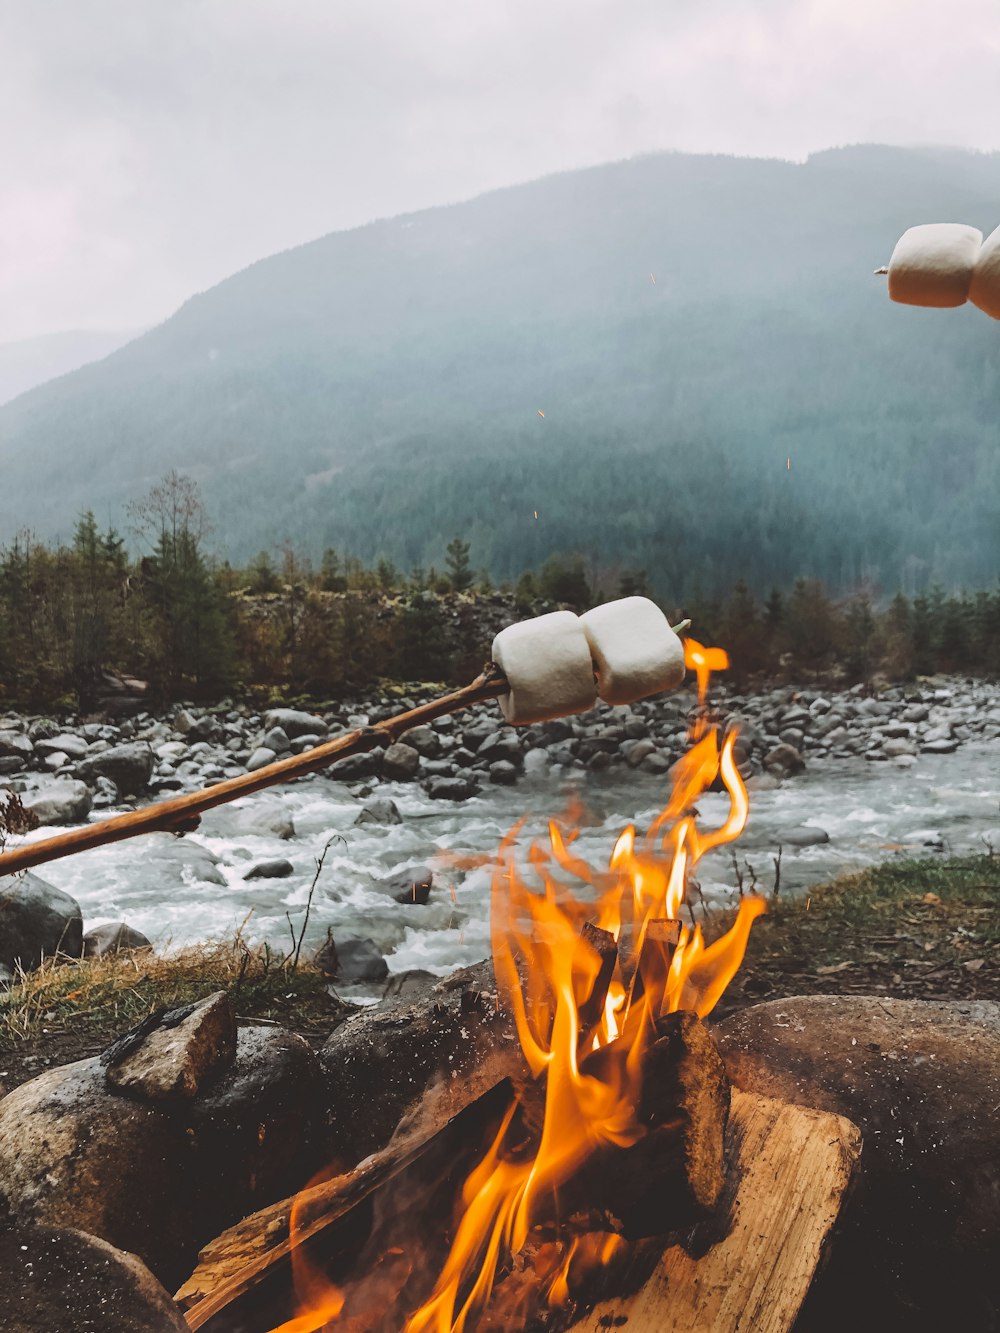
503,773
278,868
379,811
359,960
276,739
37,920
784,760
400,762
293,722
129,767
66,802
941,746
260,758
451,789
73,746
424,740
803,835
113,937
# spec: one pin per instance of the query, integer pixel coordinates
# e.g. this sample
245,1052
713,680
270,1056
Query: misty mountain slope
726,388
33,361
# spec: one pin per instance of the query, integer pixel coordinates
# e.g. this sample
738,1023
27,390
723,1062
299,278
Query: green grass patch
96,998
923,929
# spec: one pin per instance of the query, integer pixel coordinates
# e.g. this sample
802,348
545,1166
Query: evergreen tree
457,564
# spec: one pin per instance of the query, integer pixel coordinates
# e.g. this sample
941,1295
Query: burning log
751,1266
672,1176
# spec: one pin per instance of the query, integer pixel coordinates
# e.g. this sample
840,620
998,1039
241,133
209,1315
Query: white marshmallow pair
932,265
945,264
557,664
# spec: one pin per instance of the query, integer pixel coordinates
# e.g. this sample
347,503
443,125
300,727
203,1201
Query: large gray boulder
295,723
65,802
162,1179
37,920
919,1239
64,1281
397,1065
128,766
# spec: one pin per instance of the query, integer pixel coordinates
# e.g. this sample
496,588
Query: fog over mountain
679,362
26,364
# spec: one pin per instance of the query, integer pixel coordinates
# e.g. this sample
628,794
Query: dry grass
93,998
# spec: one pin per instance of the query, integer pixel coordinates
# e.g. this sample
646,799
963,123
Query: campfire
537,1196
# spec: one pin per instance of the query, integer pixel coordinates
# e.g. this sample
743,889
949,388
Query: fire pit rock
68,1281
389,1066
37,920
162,1179
922,1080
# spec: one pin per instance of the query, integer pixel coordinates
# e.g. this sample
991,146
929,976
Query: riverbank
925,929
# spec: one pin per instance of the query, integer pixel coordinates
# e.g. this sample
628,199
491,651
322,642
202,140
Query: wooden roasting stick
182,814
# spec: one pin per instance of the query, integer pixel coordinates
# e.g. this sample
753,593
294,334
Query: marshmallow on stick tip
635,651
985,289
548,667
932,265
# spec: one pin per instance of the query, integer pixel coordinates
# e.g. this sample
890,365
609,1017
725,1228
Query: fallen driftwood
182,814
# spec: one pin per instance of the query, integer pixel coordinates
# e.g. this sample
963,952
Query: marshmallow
932,265
635,651
548,667
985,289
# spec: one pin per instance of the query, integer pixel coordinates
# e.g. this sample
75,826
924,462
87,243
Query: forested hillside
727,391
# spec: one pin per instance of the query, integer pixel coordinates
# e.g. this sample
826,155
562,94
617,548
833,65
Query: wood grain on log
790,1169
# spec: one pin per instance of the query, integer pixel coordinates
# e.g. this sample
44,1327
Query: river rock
276,740
295,723
424,740
37,920
942,746
277,868
172,1058
257,817
451,789
380,810
918,1241
129,767
113,937
784,760
64,1281
66,802
359,960
803,835
15,745
411,887
367,765
504,773
400,762
260,758
74,747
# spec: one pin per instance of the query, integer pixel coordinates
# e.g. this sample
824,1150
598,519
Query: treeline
194,626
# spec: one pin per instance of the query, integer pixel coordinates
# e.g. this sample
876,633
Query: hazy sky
151,147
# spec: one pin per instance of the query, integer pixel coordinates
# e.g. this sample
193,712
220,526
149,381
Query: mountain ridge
698,319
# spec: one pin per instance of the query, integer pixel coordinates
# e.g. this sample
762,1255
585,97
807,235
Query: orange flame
547,972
